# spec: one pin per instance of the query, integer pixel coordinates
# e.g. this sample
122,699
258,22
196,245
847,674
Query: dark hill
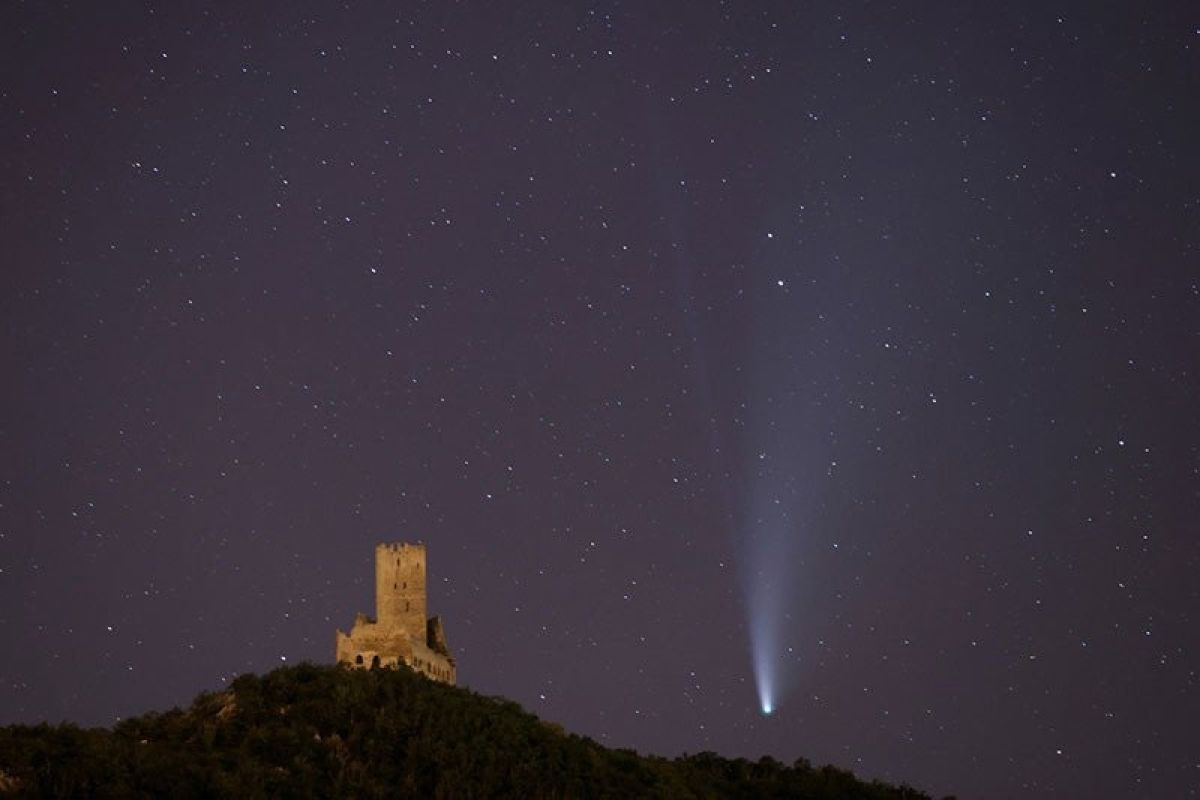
312,731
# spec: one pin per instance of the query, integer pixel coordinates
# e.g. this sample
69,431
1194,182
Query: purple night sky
849,346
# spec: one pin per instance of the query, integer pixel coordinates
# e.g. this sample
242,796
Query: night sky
850,346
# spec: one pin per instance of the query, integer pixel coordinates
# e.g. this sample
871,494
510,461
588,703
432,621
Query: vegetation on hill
315,731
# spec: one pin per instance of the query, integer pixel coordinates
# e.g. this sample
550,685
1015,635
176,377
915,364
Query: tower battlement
400,633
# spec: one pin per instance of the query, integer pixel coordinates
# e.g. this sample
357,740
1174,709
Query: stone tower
400,586
400,633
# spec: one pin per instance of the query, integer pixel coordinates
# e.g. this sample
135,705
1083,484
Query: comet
769,567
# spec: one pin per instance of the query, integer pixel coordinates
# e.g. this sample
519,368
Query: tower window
358,659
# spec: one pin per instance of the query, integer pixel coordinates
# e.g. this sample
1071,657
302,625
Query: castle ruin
399,633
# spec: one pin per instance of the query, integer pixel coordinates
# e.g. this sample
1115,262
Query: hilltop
319,731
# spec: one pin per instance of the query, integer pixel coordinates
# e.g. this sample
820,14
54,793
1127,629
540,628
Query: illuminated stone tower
400,586
400,633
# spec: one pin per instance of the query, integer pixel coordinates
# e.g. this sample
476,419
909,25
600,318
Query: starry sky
856,340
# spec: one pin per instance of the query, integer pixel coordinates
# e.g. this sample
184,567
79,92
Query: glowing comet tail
767,583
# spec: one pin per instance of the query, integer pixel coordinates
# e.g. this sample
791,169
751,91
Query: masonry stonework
399,633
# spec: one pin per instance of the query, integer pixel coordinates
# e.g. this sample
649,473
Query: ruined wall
435,636
369,645
434,664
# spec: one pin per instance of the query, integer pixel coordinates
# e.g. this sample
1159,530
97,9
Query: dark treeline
315,731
